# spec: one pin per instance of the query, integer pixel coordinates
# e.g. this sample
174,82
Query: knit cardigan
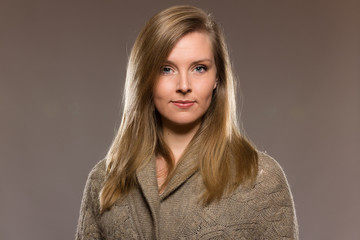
264,211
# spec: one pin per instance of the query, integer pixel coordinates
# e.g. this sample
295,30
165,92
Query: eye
166,70
200,68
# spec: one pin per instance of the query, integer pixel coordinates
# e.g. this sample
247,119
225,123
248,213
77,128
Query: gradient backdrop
62,69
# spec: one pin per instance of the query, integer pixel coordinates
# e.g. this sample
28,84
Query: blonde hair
225,158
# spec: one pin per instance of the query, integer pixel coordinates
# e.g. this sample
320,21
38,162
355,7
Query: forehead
192,46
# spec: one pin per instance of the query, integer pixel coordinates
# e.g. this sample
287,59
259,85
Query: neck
177,137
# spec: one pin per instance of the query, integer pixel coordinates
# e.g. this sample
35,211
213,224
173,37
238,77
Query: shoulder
89,211
98,172
95,179
274,198
270,185
271,180
269,201
270,169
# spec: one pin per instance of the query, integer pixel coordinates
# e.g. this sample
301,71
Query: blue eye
166,70
200,68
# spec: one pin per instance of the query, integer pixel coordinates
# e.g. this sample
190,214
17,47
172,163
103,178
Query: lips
183,103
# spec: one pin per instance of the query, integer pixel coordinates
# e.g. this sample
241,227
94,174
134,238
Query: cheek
205,92
158,99
161,93
209,98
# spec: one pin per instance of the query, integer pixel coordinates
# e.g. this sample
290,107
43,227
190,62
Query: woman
179,168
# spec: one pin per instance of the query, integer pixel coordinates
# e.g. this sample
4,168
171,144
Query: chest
180,215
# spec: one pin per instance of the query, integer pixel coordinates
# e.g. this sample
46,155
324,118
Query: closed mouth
183,103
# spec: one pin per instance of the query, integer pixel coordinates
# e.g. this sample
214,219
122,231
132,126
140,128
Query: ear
216,83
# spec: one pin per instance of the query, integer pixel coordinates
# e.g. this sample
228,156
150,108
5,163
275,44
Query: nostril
183,91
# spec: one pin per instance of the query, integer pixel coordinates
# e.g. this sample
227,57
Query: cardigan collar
148,181
182,172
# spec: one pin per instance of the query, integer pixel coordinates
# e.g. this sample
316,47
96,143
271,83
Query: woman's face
184,88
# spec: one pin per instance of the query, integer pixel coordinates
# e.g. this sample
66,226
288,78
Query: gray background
62,69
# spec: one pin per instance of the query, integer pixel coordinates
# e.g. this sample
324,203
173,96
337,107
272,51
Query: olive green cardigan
265,211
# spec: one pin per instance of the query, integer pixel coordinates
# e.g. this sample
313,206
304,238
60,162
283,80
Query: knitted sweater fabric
264,211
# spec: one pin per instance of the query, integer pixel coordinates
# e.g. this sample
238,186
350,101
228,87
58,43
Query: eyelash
198,68
166,70
203,67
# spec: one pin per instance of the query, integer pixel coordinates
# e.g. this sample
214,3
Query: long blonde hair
224,157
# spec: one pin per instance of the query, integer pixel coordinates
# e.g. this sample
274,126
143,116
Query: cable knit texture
265,211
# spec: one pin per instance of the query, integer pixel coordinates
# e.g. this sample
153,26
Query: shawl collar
183,171
147,180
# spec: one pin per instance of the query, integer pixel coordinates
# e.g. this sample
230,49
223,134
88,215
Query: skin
183,93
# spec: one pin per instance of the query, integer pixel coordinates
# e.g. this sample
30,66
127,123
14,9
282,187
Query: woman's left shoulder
270,169
272,188
272,197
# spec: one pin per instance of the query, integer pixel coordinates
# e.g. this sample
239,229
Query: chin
181,123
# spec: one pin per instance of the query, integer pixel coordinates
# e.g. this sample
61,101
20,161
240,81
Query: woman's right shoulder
97,174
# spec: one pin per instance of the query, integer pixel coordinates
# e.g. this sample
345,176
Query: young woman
179,168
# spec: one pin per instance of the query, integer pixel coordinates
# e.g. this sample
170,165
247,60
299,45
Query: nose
183,85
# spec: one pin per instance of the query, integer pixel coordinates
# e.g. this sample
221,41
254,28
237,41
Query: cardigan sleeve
87,228
276,203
